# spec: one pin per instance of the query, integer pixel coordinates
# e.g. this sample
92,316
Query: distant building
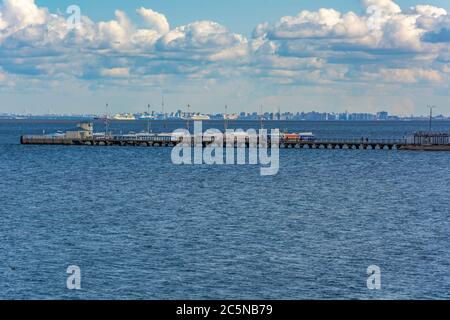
383,115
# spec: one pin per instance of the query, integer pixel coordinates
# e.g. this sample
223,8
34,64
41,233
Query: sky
293,55
238,15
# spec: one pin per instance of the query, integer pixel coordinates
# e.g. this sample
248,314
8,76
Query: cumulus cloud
31,38
383,26
386,6
396,45
18,14
325,23
203,39
154,20
429,11
115,31
384,43
21,16
3,23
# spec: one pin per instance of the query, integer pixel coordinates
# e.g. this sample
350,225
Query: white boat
231,117
200,117
124,117
147,117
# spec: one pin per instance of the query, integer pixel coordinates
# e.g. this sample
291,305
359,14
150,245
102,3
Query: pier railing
360,141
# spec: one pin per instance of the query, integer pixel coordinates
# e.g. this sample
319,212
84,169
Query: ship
147,116
200,117
124,117
230,116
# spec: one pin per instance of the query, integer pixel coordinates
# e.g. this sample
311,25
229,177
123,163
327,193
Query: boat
147,117
231,117
124,117
200,117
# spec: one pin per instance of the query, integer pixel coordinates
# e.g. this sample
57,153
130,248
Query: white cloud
401,32
386,6
115,72
204,39
3,23
19,14
325,46
321,24
411,75
429,11
390,43
115,33
35,43
154,20
199,35
382,27
2,77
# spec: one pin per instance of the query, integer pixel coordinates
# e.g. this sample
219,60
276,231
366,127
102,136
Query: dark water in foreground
140,227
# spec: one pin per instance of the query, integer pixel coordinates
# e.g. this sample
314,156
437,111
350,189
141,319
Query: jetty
420,141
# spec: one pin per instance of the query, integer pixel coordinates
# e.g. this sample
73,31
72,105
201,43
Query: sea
140,227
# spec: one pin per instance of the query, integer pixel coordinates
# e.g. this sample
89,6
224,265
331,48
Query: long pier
166,141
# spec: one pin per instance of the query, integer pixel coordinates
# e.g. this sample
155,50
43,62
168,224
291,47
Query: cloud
204,39
429,11
18,14
35,43
386,6
325,23
115,72
383,26
115,33
383,44
154,20
2,77
3,23
411,75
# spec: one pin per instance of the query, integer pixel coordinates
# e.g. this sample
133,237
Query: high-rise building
383,115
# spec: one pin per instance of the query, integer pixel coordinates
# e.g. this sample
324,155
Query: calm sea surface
140,227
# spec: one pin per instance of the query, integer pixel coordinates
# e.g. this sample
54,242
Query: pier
166,141
420,141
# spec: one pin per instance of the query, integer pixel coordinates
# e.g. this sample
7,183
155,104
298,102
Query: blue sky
385,54
239,15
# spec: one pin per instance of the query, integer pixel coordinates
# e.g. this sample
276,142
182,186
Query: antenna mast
187,117
148,118
225,118
261,118
431,115
164,112
106,120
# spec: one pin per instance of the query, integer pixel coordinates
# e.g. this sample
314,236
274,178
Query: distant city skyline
255,116
332,56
